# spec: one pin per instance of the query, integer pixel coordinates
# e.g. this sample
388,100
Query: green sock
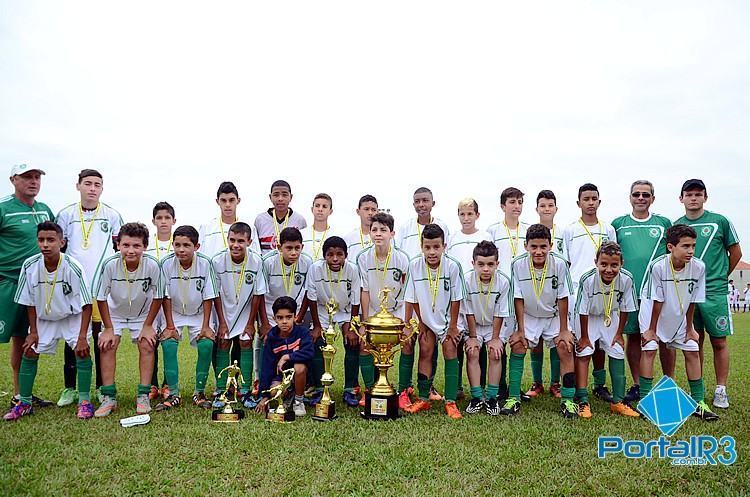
434,362
697,389
504,371
203,364
600,377
646,384
451,379
317,367
460,357
492,391
537,361
351,367
155,375
222,361
246,367
554,366
476,392
405,371
143,389
109,390
516,373
171,367
83,374
582,394
26,377
423,386
617,372
367,367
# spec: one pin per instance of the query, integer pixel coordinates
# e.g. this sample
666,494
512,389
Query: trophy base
325,412
220,416
380,407
282,417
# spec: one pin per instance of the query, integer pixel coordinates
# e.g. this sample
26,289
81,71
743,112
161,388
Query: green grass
184,453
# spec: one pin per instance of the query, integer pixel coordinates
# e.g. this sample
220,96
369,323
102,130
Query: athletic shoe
249,401
434,395
475,406
536,389
350,399
602,393
524,397
721,399
492,407
511,407
168,403
361,402
67,397
315,399
704,412
460,394
200,400
404,398
584,410
18,410
299,408
164,392
623,409
108,405
451,409
154,393
39,403
569,409
554,390
357,390
85,410
634,393
418,405
217,403
142,404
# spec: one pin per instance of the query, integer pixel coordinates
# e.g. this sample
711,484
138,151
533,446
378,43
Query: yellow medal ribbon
183,287
86,232
486,295
419,233
538,284
318,248
238,281
384,271
586,229
607,302
288,281
126,275
434,284
513,241
362,242
330,280
49,287
158,249
676,282
276,226
221,227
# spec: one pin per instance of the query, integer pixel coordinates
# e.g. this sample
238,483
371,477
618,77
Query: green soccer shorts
713,316
13,318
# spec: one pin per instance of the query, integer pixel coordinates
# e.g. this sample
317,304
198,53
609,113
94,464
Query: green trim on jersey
18,233
641,243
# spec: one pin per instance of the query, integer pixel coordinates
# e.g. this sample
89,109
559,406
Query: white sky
168,99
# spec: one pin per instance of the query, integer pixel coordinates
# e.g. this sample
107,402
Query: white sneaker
142,404
299,408
721,399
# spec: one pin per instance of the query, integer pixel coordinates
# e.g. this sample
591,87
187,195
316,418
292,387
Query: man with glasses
641,236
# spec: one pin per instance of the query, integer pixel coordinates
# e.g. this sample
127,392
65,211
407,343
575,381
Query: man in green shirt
19,216
718,246
641,236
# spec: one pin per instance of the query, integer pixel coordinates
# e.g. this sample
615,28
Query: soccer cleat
434,394
623,409
108,405
721,399
492,407
584,410
85,410
524,397
18,410
404,398
142,404
554,390
315,398
361,402
67,397
569,409
418,405
299,408
154,393
350,399
475,405
168,403
164,392
602,393
200,400
218,403
451,409
511,407
536,389
357,390
249,401
14,400
39,403
634,393
704,412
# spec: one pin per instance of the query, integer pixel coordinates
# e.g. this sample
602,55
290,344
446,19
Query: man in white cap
20,214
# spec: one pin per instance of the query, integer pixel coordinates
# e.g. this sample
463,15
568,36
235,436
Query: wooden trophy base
285,417
220,416
380,407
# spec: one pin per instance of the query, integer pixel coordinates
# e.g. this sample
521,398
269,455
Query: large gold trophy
280,414
230,414
383,334
325,410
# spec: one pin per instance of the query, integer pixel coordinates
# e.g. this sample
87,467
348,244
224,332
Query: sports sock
434,363
222,361
646,384
143,389
84,366
451,379
367,367
202,365
460,357
69,367
26,377
171,367
568,387
109,390
246,368
155,374
554,366
537,361
582,394
516,373
617,372
697,389
405,371
423,386
351,367
600,377
492,391
476,393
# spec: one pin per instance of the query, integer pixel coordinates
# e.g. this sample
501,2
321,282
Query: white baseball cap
23,168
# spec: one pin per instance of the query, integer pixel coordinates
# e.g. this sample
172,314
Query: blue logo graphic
667,406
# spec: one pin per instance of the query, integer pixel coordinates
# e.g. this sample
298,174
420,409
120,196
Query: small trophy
280,414
326,408
230,414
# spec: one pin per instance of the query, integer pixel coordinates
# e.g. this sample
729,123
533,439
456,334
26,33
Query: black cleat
602,393
705,413
634,393
475,406
511,407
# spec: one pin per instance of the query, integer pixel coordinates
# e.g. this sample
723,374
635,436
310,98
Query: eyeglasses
640,194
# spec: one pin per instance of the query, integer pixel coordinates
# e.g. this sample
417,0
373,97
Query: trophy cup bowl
229,413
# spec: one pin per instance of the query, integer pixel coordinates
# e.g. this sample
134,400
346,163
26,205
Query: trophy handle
356,324
414,325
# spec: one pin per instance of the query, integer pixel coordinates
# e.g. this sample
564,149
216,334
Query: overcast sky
168,99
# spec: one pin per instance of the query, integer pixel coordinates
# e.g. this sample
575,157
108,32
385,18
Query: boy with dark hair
269,224
409,234
316,234
359,238
508,234
213,235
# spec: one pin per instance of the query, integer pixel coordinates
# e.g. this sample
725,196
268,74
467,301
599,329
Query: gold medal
607,321
85,244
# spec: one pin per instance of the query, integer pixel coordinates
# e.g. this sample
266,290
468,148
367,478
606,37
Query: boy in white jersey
434,293
359,238
129,293
541,288
605,298
89,228
408,236
336,280
486,304
270,223
581,240
190,289
314,235
54,289
674,283
508,234
213,235
240,305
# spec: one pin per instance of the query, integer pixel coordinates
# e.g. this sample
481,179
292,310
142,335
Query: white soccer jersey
580,245
128,294
435,306
312,242
344,287
267,228
485,302
376,275
461,247
188,288
676,292
159,249
212,237
99,226
556,285
409,234
557,240
66,289
237,286
284,280
509,242
593,293
356,242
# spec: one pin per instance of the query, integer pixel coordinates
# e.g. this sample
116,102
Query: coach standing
20,214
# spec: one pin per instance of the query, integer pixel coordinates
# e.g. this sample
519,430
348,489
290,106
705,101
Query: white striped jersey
593,293
128,293
409,234
71,290
312,242
557,285
375,277
557,240
509,243
435,306
296,278
343,286
580,246
461,247
158,248
265,232
487,302
237,286
188,288
356,242
212,237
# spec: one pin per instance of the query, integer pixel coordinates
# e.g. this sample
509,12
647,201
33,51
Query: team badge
199,285
146,284
249,278
706,231
654,232
297,279
348,286
104,225
397,274
722,323
559,245
66,288
554,282
691,286
446,285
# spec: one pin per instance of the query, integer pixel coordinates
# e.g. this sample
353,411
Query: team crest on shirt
146,283
66,288
348,286
104,225
199,285
397,274
691,286
722,323
654,232
554,282
559,245
446,286
706,231
249,278
297,279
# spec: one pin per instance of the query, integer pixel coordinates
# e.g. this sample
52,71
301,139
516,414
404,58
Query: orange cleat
584,410
434,394
419,405
623,410
536,389
451,409
404,398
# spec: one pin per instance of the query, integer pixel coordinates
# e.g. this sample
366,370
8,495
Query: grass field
183,453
